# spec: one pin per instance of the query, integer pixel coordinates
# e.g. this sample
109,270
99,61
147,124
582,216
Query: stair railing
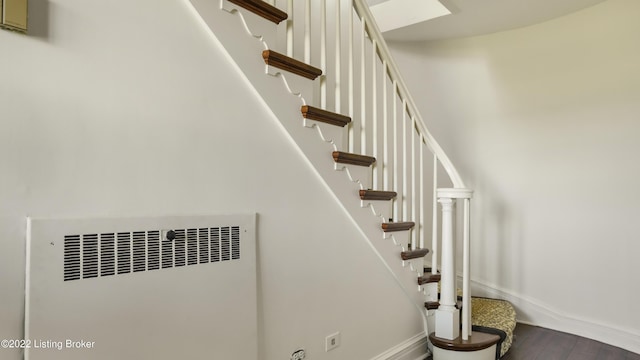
360,79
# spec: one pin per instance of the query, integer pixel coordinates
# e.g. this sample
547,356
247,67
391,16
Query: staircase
324,70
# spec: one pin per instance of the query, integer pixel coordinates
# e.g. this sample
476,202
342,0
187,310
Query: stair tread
477,341
317,114
414,254
263,9
284,62
353,159
377,195
398,226
428,278
432,305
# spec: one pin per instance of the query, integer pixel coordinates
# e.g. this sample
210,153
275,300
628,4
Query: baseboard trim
532,312
414,348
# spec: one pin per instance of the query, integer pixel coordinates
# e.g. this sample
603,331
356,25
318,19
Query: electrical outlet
298,355
332,341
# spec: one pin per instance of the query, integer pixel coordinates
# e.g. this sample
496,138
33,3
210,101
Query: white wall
543,122
124,108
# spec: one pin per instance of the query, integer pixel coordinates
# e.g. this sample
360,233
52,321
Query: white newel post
447,315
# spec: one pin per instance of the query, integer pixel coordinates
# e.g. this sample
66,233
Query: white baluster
434,223
338,69
307,32
289,24
374,113
363,90
466,274
385,127
414,191
421,195
405,165
350,70
396,141
323,53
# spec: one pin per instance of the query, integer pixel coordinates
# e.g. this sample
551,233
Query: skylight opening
396,14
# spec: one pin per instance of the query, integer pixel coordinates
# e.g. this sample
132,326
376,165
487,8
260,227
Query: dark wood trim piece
292,65
398,226
432,305
314,113
428,278
477,341
377,195
352,159
263,9
414,254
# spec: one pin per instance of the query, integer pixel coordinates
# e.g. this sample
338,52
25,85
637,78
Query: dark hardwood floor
536,343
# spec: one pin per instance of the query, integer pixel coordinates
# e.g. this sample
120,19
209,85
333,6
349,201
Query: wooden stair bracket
397,226
290,64
314,113
414,254
263,9
377,195
352,159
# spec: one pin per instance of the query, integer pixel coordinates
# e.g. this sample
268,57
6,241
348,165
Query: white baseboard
533,312
414,348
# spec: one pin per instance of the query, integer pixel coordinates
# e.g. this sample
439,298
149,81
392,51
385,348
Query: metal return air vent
93,255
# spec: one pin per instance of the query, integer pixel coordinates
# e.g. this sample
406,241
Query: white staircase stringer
344,181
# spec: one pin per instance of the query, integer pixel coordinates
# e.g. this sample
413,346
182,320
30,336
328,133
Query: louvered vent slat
107,254
203,244
167,254
139,251
180,244
215,244
192,246
72,257
124,253
89,256
153,245
235,243
96,255
225,244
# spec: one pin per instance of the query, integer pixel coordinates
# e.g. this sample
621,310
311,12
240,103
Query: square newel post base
448,323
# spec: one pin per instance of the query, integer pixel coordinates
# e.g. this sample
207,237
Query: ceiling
478,17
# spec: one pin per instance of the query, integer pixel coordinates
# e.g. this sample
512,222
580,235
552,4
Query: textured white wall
543,122
124,108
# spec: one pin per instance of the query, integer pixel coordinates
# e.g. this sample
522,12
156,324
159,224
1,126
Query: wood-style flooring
536,343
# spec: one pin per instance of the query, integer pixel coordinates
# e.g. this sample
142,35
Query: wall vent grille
96,255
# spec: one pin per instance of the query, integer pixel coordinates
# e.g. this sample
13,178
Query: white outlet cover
332,341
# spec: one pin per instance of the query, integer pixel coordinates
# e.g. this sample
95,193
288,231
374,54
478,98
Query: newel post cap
454,193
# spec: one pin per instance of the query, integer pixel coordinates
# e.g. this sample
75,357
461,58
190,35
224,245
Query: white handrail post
447,315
